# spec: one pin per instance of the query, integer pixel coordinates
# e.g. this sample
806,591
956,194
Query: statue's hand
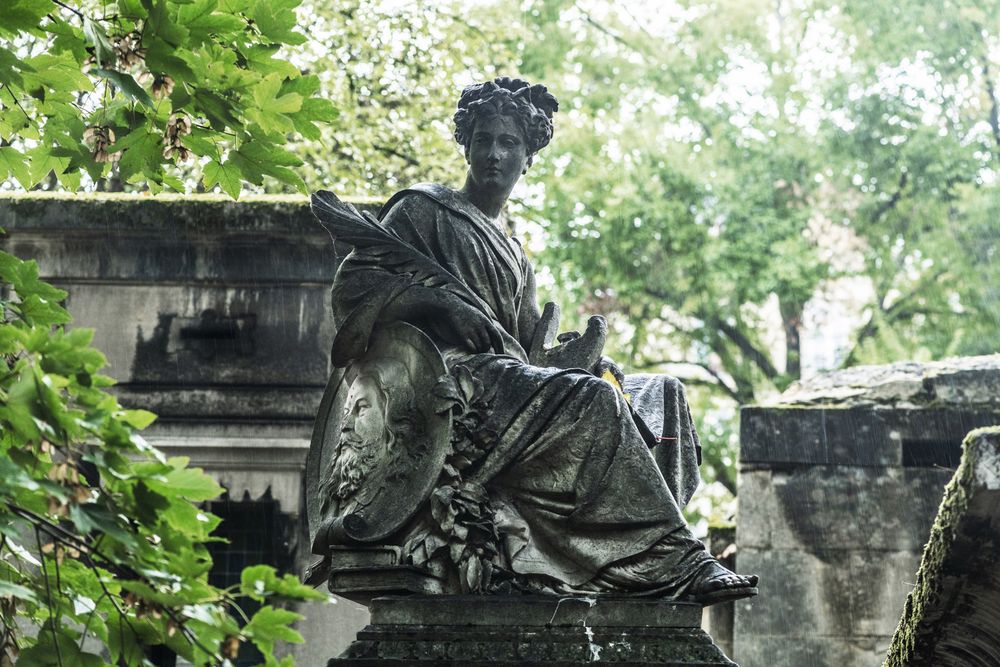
464,326
579,351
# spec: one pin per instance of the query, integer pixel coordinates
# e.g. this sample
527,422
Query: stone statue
460,434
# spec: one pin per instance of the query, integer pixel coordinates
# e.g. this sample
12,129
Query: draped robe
580,497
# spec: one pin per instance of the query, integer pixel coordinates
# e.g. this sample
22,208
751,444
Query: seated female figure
585,490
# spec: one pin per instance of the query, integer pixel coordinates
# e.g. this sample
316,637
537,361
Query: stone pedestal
531,630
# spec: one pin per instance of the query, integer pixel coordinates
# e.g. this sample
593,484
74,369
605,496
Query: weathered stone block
532,630
857,436
951,616
837,507
834,592
811,651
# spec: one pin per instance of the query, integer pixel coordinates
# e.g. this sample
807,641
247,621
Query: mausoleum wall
215,315
839,483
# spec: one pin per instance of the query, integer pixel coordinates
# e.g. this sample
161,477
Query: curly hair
531,106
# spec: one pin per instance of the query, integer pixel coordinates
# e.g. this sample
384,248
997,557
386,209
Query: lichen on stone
939,612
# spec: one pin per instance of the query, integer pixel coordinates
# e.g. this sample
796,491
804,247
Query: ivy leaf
43,313
161,57
190,483
160,23
126,84
138,419
265,94
56,72
276,20
261,581
11,67
226,175
41,162
203,21
89,518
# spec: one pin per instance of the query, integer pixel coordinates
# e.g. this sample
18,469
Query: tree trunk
791,319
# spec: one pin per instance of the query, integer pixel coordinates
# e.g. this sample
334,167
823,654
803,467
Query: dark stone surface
839,507
531,630
203,292
961,381
858,436
952,616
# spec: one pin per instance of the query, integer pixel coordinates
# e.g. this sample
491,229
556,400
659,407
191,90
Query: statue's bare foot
717,584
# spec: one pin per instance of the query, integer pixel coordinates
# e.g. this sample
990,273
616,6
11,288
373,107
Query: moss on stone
939,562
117,211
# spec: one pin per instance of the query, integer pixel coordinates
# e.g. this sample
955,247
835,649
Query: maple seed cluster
128,49
163,84
98,138
177,126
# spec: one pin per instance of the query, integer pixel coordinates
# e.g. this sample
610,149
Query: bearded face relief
364,436
377,421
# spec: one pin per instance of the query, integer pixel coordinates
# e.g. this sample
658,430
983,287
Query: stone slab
531,630
960,381
839,507
832,651
530,610
861,436
830,593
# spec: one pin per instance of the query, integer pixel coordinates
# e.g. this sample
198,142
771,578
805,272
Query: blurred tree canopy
749,190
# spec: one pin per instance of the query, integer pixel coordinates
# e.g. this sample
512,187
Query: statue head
379,412
501,124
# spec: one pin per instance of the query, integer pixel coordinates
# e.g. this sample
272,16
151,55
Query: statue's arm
366,291
529,316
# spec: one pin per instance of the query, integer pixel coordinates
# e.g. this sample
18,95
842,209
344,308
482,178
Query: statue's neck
490,203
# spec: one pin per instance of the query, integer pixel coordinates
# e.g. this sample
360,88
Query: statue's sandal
711,591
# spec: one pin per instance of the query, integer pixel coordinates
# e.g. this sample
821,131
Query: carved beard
355,461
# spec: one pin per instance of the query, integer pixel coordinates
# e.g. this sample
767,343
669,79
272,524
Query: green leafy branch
101,537
119,96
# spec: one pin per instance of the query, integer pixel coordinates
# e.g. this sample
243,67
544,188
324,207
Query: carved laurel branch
464,529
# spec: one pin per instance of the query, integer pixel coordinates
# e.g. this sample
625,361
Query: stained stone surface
532,630
840,480
952,616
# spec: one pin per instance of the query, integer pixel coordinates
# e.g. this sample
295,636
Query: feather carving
395,255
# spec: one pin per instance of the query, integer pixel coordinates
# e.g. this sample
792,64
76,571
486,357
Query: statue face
364,421
363,437
497,154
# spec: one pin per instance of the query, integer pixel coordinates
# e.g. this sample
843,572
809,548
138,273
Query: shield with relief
379,442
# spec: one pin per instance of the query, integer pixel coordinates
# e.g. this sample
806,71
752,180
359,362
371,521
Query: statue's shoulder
421,198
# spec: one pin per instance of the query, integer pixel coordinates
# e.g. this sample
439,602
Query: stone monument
501,492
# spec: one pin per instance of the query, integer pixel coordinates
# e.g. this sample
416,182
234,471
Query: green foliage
724,172
393,70
150,92
101,543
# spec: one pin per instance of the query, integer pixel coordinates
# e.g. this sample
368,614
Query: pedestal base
532,630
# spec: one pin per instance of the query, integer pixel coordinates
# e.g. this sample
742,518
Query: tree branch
891,313
392,151
748,349
600,27
72,9
890,203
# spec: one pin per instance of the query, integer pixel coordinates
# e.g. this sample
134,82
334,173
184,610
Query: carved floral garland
464,527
